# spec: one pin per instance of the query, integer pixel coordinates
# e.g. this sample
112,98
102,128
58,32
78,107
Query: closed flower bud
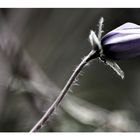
122,42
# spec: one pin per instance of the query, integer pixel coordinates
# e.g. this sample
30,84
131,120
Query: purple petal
127,28
122,42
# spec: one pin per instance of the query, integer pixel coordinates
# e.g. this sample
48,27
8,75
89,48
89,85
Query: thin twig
93,54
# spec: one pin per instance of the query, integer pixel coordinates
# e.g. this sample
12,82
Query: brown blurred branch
98,117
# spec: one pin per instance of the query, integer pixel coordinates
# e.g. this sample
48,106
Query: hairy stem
93,54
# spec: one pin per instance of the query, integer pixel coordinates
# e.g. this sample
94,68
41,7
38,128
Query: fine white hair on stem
81,73
70,90
76,84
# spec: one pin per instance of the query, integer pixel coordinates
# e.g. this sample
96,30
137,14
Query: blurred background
40,48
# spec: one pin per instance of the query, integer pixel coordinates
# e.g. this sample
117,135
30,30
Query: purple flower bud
122,42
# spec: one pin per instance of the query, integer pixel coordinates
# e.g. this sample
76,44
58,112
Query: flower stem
93,54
